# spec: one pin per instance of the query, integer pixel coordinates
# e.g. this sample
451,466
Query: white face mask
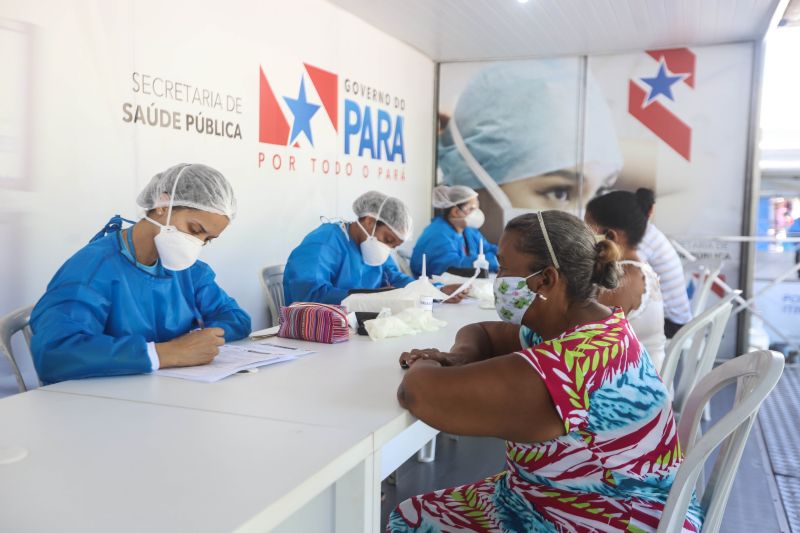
374,252
475,219
176,249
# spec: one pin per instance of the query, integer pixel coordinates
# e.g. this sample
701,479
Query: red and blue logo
649,96
273,125
305,114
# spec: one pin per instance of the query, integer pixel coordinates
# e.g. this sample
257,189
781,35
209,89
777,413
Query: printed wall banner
532,135
301,113
337,126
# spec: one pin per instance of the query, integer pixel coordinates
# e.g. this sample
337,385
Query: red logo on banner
675,65
274,127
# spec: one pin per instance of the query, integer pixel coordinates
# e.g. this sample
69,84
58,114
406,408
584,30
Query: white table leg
377,478
428,452
396,451
357,499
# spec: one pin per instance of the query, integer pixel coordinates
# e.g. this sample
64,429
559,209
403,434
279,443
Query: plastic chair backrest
403,263
272,282
755,375
707,279
11,324
695,345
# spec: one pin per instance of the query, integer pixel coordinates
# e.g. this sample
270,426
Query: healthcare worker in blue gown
137,299
339,257
453,239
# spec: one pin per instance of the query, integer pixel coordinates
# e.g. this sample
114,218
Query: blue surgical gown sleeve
217,308
393,276
442,247
312,270
444,255
68,340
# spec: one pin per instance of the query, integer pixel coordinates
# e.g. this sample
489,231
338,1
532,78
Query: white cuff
155,362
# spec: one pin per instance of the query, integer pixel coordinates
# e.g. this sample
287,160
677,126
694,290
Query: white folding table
349,386
98,465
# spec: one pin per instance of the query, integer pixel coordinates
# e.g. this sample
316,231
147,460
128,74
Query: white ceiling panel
462,30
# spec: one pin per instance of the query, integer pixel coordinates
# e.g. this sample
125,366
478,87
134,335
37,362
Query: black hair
378,223
175,209
646,198
445,211
583,263
624,211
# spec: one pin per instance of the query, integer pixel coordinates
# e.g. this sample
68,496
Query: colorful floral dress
613,469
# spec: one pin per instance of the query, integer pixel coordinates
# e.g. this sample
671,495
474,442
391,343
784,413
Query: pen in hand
198,320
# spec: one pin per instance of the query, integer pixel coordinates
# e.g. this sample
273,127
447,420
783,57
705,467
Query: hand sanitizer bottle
481,262
425,302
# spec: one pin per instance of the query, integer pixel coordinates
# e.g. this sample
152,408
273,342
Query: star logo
303,111
662,83
276,126
674,65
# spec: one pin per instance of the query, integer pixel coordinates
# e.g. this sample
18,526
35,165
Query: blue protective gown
100,310
443,247
327,264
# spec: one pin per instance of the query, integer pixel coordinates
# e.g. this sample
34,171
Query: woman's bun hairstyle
646,199
607,271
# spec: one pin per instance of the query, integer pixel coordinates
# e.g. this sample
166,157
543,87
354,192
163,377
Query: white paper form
277,347
231,359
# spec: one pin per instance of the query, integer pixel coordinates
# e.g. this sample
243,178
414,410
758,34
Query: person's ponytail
646,199
607,272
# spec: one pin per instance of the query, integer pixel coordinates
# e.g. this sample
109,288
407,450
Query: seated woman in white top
658,252
621,216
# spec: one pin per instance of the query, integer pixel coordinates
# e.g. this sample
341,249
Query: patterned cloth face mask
512,297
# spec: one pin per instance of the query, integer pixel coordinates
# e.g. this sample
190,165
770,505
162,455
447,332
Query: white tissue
407,322
418,293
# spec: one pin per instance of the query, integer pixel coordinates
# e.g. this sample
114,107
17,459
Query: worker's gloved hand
197,347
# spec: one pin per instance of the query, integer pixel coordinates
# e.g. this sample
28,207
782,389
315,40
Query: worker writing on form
340,257
137,299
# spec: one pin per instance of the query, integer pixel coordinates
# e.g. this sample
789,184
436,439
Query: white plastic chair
403,262
11,324
755,375
695,345
700,297
272,282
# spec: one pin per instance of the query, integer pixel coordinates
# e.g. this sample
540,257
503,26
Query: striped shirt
656,250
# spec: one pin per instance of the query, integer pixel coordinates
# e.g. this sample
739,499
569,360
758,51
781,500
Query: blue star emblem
662,83
302,111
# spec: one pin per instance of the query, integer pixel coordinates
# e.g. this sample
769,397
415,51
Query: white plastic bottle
425,302
481,261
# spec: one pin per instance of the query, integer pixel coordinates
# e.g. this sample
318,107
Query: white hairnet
520,119
445,196
199,187
387,209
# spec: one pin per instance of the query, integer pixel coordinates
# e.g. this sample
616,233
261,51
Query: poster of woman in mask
553,133
527,135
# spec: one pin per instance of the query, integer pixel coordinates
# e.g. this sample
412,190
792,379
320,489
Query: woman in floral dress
591,440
